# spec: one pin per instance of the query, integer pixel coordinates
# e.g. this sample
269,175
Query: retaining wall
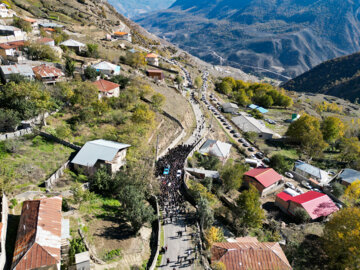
58,140
54,177
15,134
153,264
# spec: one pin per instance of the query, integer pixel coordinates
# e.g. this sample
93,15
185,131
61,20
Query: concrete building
312,173
250,124
155,74
3,230
46,41
316,204
50,25
23,70
247,253
107,68
202,174
152,59
5,12
107,88
82,261
39,235
73,45
349,176
101,153
12,51
48,74
266,180
215,148
230,107
122,36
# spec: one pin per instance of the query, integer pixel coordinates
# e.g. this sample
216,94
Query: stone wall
15,134
153,264
49,183
58,140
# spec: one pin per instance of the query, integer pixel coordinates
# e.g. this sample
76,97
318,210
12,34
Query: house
202,174
348,176
48,30
248,253
24,70
107,68
258,108
5,12
266,180
122,36
250,124
39,236
46,41
311,173
11,51
101,153
152,59
48,74
3,229
107,88
316,204
155,74
82,261
34,23
73,45
215,148
230,107
6,30
50,25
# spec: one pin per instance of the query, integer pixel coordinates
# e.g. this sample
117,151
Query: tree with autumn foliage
342,239
307,134
352,193
214,235
218,266
332,128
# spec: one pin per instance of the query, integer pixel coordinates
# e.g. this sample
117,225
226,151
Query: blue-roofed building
308,171
348,176
101,153
252,106
258,108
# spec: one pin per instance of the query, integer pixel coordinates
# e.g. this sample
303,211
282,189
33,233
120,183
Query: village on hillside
118,152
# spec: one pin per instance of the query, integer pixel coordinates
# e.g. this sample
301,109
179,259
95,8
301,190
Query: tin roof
23,69
8,28
96,150
38,239
152,55
265,176
44,40
118,33
312,170
104,65
248,124
349,175
230,105
72,43
248,253
105,86
51,25
46,71
215,148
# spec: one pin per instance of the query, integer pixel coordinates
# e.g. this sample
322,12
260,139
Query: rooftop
23,69
72,43
120,33
46,71
96,150
215,148
44,40
312,170
104,65
248,124
152,55
105,86
265,176
230,105
349,175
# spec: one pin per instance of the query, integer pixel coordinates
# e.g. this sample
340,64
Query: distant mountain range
131,8
281,39
338,77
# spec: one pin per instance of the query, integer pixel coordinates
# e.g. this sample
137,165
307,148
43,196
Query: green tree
41,52
342,239
231,175
350,149
157,101
279,163
248,210
136,60
69,67
179,80
92,50
225,88
332,128
84,94
198,82
121,80
90,73
338,189
301,216
103,183
143,114
22,24
205,213
265,101
9,120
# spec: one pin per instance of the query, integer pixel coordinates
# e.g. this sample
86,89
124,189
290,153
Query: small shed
348,176
82,261
73,45
155,74
230,107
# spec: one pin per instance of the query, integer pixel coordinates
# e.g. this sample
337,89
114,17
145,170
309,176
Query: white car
178,173
290,185
287,174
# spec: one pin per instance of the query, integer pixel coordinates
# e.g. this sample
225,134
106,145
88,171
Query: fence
58,140
153,264
15,134
54,177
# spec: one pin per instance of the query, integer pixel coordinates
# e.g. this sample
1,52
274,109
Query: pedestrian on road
178,258
165,248
167,261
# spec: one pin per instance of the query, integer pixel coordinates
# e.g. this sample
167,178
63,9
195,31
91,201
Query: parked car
290,185
317,190
287,174
251,149
259,155
246,144
307,185
299,190
178,173
233,131
266,161
167,170
236,135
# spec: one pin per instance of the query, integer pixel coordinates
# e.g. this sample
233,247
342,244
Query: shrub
301,216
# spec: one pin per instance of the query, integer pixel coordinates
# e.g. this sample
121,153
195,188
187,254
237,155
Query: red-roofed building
266,180
12,51
48,74
152,59
248,253
316,204
38,241
107,88
122,36
46,41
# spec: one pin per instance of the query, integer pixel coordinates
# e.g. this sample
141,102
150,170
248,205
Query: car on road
246,144
259,155
233,131
242,140
307,185
236,135
178,173
251,149
287,174
290,185
166,170
266,161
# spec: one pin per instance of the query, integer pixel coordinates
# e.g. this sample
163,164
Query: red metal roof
12,45
151,55
284,196
44,40
250,254
38,240
46,71
265,176
105,86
